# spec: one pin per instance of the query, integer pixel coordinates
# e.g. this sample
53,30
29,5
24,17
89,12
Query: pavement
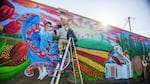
66,79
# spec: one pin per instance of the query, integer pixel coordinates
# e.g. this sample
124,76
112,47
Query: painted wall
18,10
84,27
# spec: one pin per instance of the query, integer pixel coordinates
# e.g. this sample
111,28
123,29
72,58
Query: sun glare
107,20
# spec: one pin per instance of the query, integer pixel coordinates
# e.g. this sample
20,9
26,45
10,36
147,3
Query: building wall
83,27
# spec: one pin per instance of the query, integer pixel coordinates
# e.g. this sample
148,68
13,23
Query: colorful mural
20,20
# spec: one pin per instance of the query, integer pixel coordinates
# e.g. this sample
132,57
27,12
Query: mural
20,23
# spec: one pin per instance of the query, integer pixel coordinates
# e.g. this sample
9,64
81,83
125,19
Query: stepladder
69,58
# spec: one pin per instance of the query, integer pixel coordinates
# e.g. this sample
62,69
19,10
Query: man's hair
118,41
59,25
66,21
48,23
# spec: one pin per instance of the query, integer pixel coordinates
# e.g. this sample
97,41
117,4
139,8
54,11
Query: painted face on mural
47,25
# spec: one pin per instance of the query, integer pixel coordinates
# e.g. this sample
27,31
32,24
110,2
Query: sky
113,12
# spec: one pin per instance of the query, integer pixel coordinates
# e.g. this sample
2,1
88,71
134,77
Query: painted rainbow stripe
102,54
93,64
98,59
88,70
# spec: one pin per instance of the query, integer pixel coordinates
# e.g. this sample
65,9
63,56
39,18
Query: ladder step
59,71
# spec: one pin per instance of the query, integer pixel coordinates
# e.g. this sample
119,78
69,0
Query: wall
83,27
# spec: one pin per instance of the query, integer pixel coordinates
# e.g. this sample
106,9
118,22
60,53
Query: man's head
58,26
66,22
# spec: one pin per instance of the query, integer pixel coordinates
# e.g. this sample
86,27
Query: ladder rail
55,73
58,71
68,61
74,73
62,64
81,78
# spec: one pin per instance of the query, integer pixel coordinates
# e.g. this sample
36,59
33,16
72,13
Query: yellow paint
1,27
99,53
93,64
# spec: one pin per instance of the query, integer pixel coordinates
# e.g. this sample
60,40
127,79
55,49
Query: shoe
40,72
44,74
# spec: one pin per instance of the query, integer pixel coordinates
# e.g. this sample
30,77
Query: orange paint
26,3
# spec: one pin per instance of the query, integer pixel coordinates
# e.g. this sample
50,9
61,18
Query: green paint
2,45
9,72
135,48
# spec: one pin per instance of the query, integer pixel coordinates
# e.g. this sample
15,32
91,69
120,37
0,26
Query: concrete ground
66,79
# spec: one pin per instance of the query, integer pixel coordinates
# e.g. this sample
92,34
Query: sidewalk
21,79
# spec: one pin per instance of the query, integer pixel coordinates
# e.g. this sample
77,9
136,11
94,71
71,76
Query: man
64,33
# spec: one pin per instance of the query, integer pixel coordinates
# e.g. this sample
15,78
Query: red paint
94,57
19,51
6,10
88,70
12,27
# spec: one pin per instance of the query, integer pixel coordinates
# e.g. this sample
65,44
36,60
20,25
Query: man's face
66,25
